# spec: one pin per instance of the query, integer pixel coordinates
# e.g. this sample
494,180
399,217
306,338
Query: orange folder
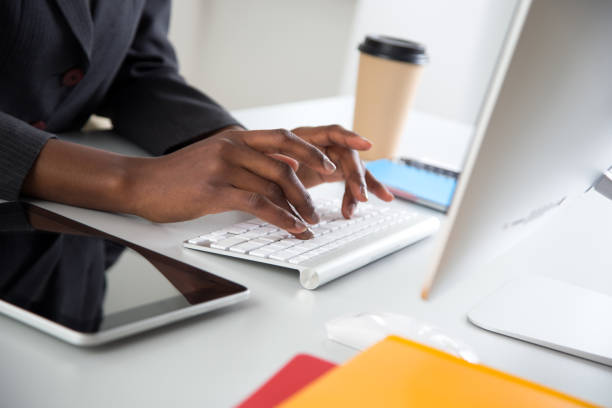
400,373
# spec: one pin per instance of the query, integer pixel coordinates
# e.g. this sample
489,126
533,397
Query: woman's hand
235,169
341,146
262,172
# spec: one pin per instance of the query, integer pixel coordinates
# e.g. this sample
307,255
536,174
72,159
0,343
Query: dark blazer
61,61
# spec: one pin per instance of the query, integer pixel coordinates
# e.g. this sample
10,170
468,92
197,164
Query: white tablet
87,287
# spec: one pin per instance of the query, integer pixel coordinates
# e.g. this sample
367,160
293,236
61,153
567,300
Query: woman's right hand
235,169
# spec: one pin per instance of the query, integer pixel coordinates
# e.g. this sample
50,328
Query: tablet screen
89,281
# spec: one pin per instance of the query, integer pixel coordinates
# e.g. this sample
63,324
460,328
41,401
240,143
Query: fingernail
299,226
364,192
329,165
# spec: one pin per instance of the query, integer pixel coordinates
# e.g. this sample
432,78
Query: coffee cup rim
394,48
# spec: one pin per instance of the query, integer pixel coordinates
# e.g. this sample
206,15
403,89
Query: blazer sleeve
20,144
149,102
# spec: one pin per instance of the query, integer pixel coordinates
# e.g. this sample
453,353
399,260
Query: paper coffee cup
389,71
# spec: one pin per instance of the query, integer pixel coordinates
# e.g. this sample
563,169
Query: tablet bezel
67,225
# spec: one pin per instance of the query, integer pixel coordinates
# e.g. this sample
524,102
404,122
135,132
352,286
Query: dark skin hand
260,172
341,146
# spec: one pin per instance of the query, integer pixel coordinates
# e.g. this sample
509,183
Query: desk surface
217,359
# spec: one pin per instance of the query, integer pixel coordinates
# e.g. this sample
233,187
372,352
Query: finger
279,173
349,203
352,168
295,165
247,181
287,143
377,187
260,206
333,135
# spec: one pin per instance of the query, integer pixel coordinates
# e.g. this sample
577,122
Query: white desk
217,359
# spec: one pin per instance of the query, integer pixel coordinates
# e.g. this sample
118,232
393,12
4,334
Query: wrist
78,175
132,185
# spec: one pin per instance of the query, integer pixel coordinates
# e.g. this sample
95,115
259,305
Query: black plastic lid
394,48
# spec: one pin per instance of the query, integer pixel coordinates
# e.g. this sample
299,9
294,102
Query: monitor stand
550,313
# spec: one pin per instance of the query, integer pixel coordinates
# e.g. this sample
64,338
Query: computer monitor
544,133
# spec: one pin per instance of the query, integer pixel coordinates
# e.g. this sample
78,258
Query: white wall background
249,53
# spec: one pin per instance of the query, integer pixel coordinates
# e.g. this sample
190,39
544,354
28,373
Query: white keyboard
339,245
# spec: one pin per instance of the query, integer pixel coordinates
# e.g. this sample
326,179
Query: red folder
297,373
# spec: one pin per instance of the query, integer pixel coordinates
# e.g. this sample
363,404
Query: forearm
83,176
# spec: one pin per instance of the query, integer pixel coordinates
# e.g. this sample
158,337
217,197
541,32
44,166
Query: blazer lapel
79,19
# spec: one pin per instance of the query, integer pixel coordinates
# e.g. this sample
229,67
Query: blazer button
39,124
72,77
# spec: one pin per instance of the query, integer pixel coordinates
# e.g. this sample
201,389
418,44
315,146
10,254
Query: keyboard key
327,247
320,230
306,246
269,239
291,241
235,230
337,224
261,240
263,252
245,247
298,259
318,251
247,226
268,229
331,216
214,237
276,236
282,255
198,240
254,233
280,245
297,250
227,243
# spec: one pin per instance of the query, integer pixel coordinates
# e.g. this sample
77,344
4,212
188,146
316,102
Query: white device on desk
550,313
544,133
338,247
88,287
543,138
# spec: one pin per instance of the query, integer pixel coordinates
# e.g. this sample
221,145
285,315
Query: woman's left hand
342,146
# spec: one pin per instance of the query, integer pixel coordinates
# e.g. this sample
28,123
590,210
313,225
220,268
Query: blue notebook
421,183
